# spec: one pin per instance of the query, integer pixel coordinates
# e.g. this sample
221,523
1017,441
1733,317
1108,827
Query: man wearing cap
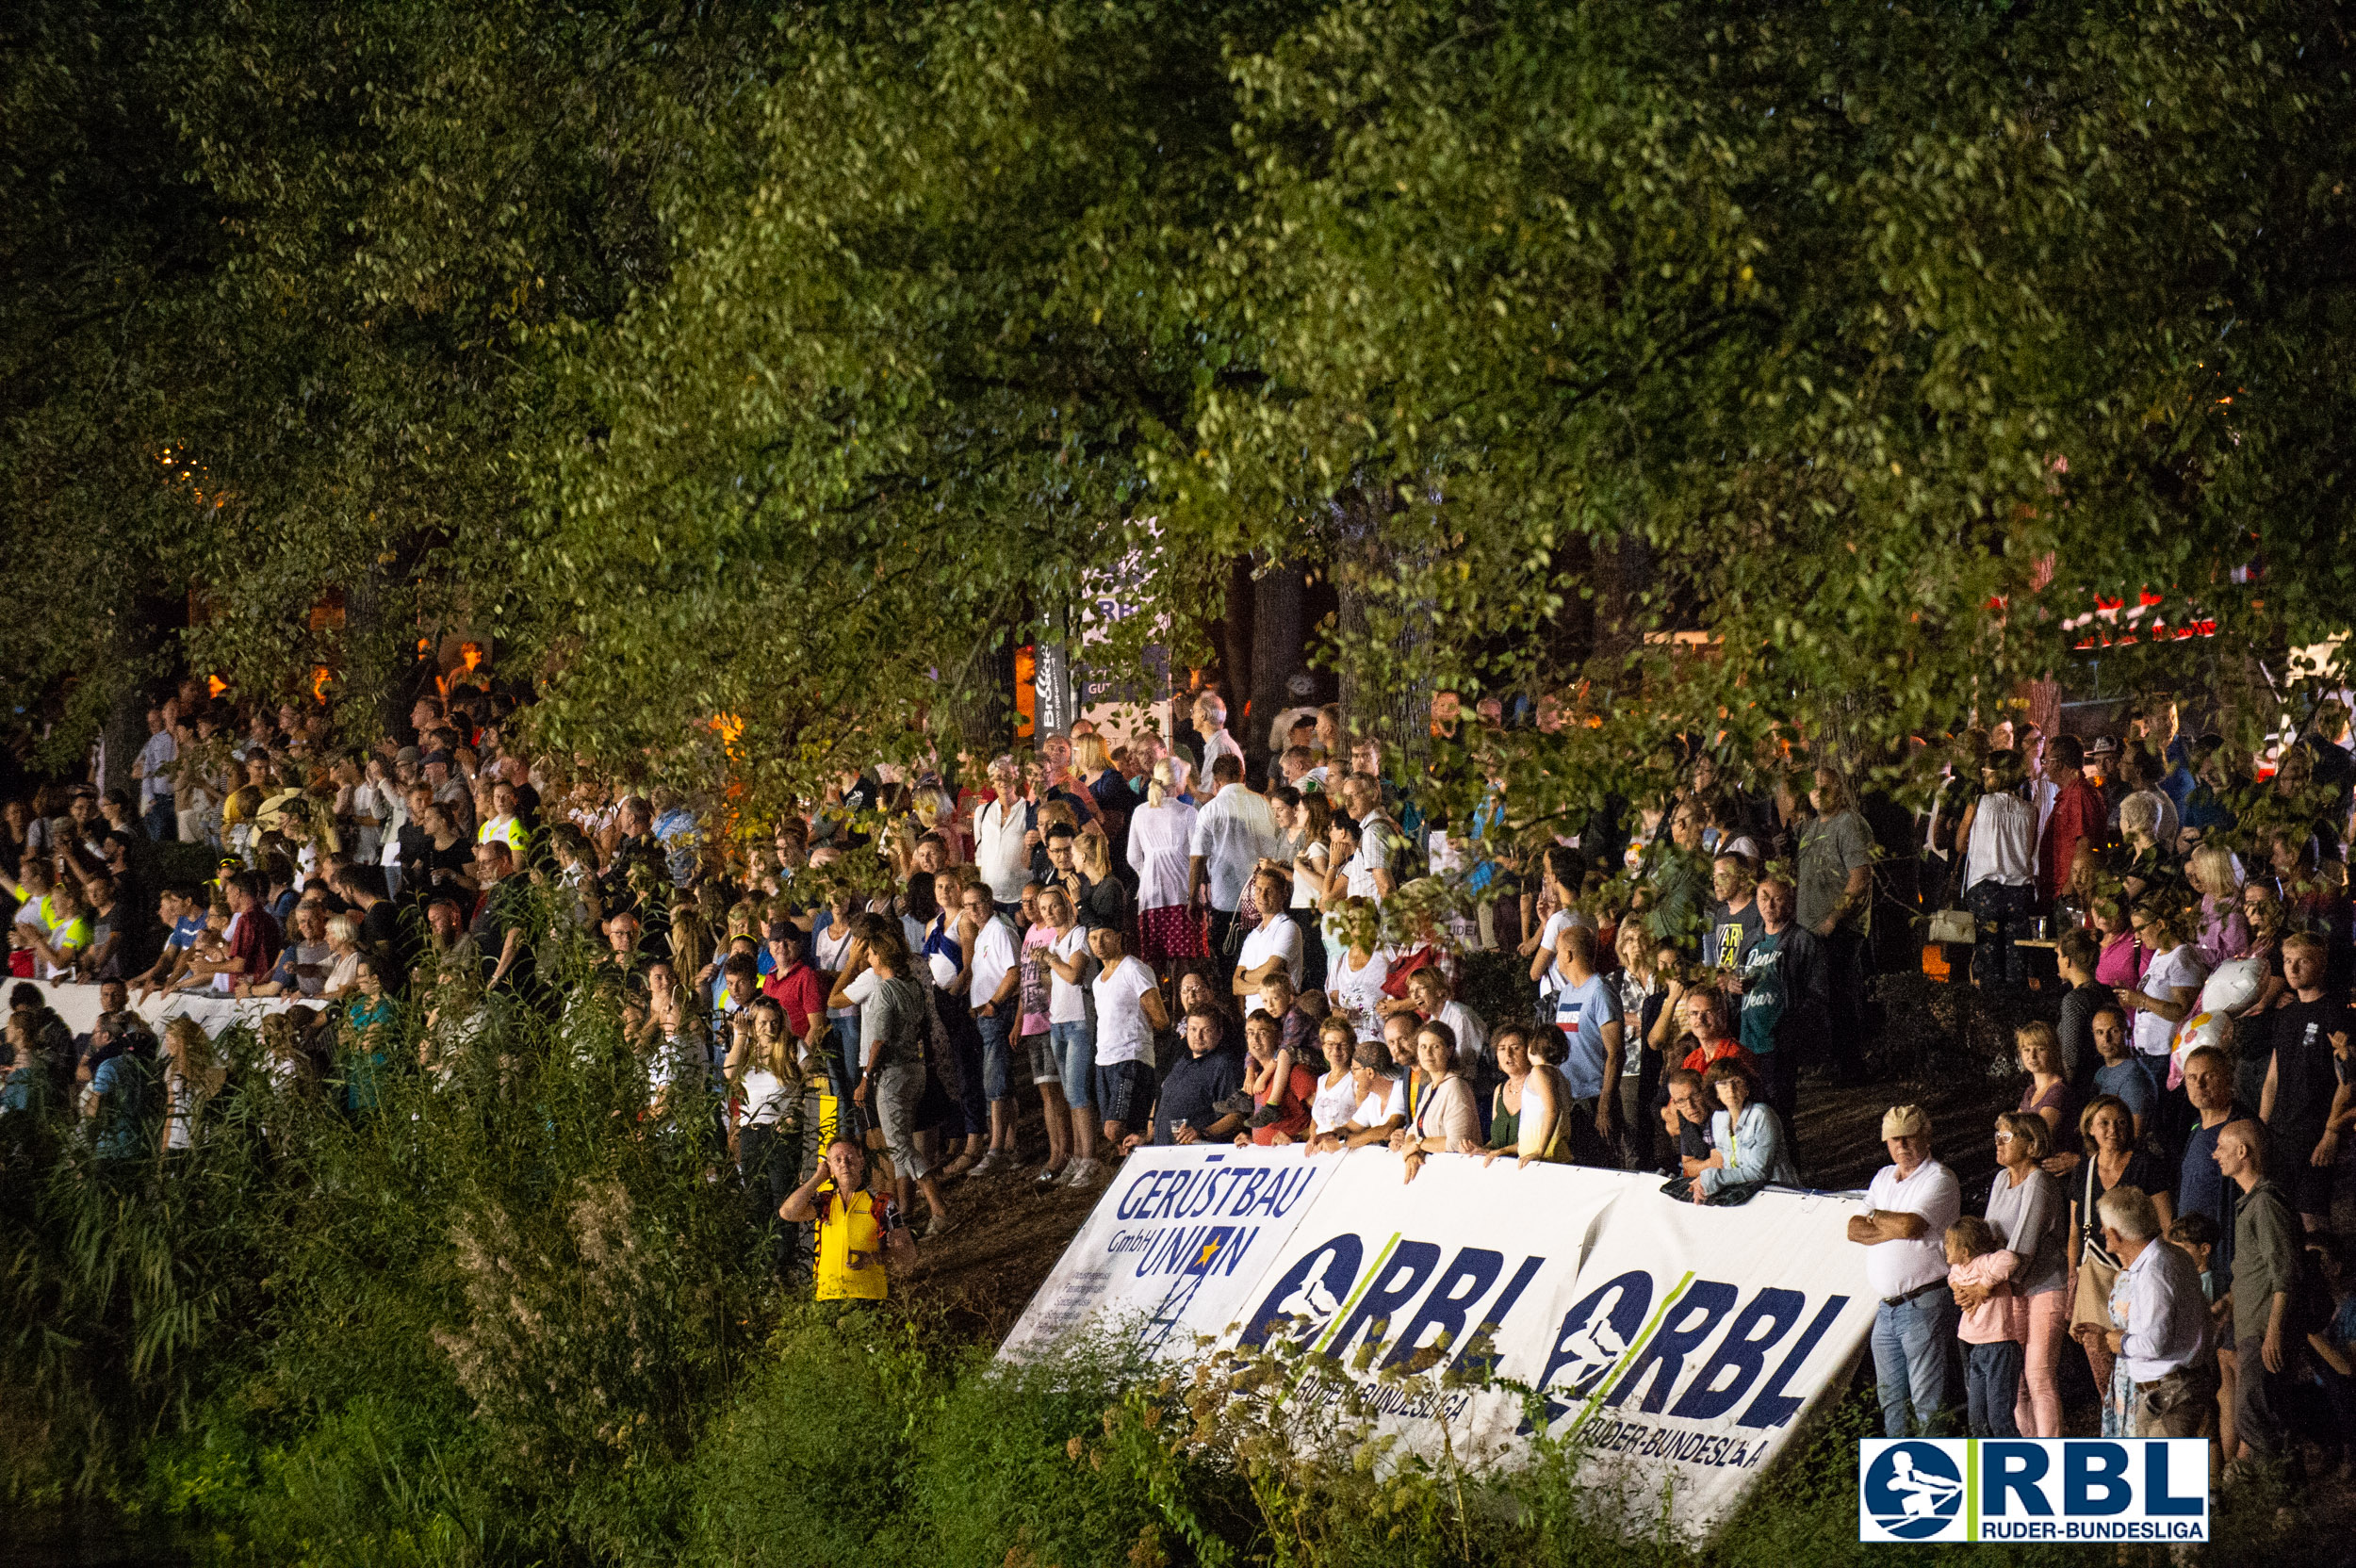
1913,1200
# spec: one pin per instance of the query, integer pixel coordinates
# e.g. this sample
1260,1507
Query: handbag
1953,925
2097,1270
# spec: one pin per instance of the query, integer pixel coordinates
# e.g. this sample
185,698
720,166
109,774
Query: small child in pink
1992,1349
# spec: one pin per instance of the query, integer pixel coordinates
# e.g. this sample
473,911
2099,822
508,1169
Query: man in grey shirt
2266,1271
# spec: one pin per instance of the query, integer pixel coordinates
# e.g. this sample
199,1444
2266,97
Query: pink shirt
1992,1320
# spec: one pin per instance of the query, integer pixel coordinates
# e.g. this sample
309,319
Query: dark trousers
768,1160
2263,1400
1646,1135
965,1039
1848,957
1312,948
161,822
1991,1381
2002,914
1222,926
1782,1068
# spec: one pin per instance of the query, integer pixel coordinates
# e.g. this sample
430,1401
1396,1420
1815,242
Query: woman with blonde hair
1161,832
193,1074
2224,929
1092,767
1106,900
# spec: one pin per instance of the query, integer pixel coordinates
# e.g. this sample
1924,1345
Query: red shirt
1302,1085
255,936
801,994
1699,1058
2077,814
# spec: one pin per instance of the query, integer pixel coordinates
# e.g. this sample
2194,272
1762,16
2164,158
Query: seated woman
1336,1097
1381,1108
1530,1116
1441,1113
1746,1138
1282,1090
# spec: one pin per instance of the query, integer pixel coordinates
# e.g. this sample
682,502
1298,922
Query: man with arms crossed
1914,1198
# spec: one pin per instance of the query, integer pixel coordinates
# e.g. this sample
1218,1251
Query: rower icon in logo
1913,1489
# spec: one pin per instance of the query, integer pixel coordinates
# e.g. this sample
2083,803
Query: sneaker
1085,1174
1048,1177
942,1224
1234,1105
990,1161
1266,1116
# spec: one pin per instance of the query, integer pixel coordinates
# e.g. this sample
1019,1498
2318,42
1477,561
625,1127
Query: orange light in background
727,727
471,653
215,686
321,676
1025,692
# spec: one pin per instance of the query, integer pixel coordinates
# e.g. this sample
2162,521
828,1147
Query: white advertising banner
78,1006
1683,1345
1176,1248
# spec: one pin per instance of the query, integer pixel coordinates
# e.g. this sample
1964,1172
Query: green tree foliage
765,370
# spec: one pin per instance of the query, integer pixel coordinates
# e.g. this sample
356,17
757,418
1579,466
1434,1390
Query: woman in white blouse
1381,1108
1354,985
1337,1096
1160,833
1440,1112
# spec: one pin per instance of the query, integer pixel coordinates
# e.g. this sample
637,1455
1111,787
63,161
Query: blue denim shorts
1074,1048
1124,1092
997,1061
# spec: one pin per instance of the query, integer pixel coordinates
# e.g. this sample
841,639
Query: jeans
1992,1382
841,1048
161,822
997,1063
892,1096
2001,913
1911,1341
1074,1045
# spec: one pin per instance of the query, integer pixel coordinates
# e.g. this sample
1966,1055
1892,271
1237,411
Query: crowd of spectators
1159,947
2162,1200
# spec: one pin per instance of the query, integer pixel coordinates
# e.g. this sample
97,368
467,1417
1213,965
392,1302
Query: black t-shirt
2306,1073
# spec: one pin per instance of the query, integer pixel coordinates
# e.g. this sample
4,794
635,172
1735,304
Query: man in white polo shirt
1914,1198
1002,829
1233,832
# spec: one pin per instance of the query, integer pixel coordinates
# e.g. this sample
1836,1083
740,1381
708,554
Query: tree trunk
1234,649
1379,646
1277,651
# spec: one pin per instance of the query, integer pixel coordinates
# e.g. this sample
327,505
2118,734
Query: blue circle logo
1913,1489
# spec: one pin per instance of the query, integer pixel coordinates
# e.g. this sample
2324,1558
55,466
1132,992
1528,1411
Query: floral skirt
1172,932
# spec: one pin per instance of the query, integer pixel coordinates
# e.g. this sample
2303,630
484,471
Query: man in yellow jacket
861,1233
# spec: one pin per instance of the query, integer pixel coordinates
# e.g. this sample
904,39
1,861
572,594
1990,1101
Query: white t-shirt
1276,936
766,1095
1355,993
1550,980
1388,1099
1471,1034
1068,1000
1122,1034
995,956
827,951
2179,968
1308,862
1333,1104
1895,1267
